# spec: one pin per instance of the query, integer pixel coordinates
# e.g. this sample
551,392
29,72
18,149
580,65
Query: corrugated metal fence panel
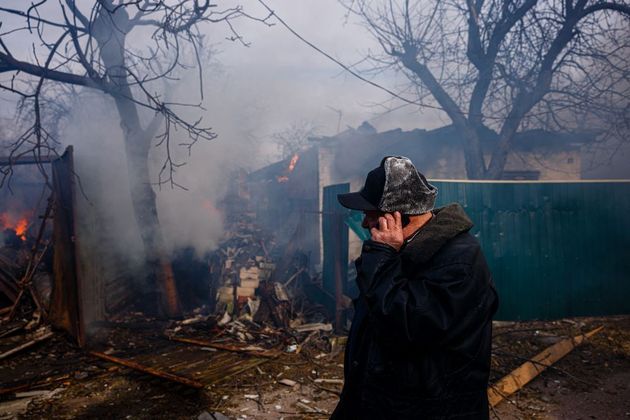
555,249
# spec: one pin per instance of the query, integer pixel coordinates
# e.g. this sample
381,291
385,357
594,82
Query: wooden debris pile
260,281
241,263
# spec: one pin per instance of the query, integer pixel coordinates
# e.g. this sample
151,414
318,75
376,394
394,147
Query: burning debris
25,264
290,168
11,225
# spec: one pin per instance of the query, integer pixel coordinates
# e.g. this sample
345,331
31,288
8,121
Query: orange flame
294,161
19,226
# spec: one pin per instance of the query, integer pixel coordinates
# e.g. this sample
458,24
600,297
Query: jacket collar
447,223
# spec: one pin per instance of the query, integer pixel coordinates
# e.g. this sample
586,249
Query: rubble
299,383
149,370
251,350
257,280
521,376
287,382
314,327
42,334
328,381
11,409
243,263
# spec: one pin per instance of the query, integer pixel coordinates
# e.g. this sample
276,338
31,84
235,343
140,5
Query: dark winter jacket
419,346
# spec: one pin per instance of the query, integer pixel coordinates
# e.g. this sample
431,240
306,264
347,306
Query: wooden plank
31,385
210,358
236,349
221,365
149,370
26,345
167,357
191,368
242,367
522,375
218,370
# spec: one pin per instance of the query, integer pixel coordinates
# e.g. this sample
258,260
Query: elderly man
419,346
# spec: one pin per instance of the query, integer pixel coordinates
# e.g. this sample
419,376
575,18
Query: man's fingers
394,220
389,230
375,233
382,223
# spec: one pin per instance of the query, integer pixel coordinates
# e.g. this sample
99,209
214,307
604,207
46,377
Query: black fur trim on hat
405,190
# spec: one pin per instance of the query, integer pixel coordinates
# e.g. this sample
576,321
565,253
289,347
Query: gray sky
278,80
288,81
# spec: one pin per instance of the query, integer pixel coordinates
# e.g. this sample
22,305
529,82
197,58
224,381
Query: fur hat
395,185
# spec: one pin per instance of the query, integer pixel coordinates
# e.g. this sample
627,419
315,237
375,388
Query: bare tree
294,138
87,44
507,65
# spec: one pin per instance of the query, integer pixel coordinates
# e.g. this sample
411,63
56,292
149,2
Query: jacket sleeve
425,311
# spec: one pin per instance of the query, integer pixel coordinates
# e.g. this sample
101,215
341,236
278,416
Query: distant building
535,155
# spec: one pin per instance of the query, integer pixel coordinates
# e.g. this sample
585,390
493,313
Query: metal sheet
556,249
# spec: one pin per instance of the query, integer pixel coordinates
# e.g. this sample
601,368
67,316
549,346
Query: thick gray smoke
188,217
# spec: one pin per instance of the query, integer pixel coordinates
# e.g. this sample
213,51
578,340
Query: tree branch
409,60
10,64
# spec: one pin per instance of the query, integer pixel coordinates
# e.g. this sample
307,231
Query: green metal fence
556,249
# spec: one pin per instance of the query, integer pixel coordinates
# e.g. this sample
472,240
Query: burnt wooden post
65,301
335,242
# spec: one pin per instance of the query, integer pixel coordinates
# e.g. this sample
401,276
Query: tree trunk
110,32
473,154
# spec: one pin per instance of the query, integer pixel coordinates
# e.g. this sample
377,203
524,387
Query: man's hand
390,230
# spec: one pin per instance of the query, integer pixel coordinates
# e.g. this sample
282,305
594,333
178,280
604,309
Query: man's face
370,219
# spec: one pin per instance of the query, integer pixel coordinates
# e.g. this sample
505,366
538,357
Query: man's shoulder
463,248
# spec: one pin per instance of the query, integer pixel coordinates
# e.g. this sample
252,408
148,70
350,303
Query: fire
20,228
18,224
294,161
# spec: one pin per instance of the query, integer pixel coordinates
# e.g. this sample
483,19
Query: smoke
261,90
189,217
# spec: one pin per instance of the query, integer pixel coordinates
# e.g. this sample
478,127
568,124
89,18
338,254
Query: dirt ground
591,382
58,380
